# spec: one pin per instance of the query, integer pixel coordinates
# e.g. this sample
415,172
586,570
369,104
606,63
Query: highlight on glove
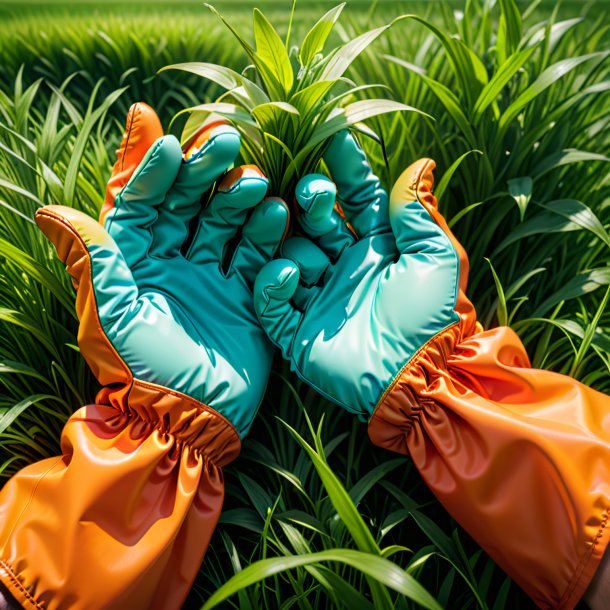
373,314
122,519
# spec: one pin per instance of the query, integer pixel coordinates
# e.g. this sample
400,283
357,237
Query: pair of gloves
179,323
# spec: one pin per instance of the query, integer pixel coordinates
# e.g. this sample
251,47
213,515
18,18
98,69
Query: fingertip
142,128
275,214
166,153
277,281
157,171
218,138
414,184
142,122
341,148
237,175
268,225
246,181
316,193
65,226
345,157
261,238
166,149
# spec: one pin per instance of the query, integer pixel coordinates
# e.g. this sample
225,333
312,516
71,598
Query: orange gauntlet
122,519
520,457
378,321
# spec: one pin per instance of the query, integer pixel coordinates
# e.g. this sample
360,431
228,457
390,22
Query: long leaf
547,78
271,51
578,286
367,109
509,29
341,60
340,498
439,191
10,415
382,570
221,75
317,36
500,79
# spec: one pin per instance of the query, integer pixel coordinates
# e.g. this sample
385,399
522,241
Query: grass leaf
271,51
343,57
520,190
316,37
382,570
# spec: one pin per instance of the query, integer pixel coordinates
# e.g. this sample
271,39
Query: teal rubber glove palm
174,293
349,311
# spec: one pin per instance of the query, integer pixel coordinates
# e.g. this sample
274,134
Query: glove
380,324
123,518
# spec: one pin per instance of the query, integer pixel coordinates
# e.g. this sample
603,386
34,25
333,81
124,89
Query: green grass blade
271,51
316,37
382,570
549,77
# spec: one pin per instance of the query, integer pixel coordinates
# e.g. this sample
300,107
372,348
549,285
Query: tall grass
523,109
520,131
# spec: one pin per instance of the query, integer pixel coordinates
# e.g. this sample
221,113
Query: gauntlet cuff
124,517
519,457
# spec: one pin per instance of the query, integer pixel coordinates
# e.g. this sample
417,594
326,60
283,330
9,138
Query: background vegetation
519,94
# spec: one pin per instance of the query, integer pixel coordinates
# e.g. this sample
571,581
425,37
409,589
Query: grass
520,133
292,100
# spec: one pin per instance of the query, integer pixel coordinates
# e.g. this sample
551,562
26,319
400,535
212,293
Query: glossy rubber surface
347,312
188,322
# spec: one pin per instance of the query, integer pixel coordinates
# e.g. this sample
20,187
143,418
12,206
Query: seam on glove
119,202
186,398
58,218
17,583
426,206
410,361
584,561
132,117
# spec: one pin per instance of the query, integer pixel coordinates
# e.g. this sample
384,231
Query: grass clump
290,100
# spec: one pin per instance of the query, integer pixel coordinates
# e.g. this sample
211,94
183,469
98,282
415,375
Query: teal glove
381,325
349,312
173,292
123,517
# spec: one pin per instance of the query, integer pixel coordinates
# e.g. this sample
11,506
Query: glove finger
428,258
274,287
142,128
312,264
261,238
105,288
129,222
316,195
239,191
212,152
360,194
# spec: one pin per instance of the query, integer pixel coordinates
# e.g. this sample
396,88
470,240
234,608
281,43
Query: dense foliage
520,130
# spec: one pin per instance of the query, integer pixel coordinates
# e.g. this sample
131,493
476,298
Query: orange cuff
519,457
124,517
